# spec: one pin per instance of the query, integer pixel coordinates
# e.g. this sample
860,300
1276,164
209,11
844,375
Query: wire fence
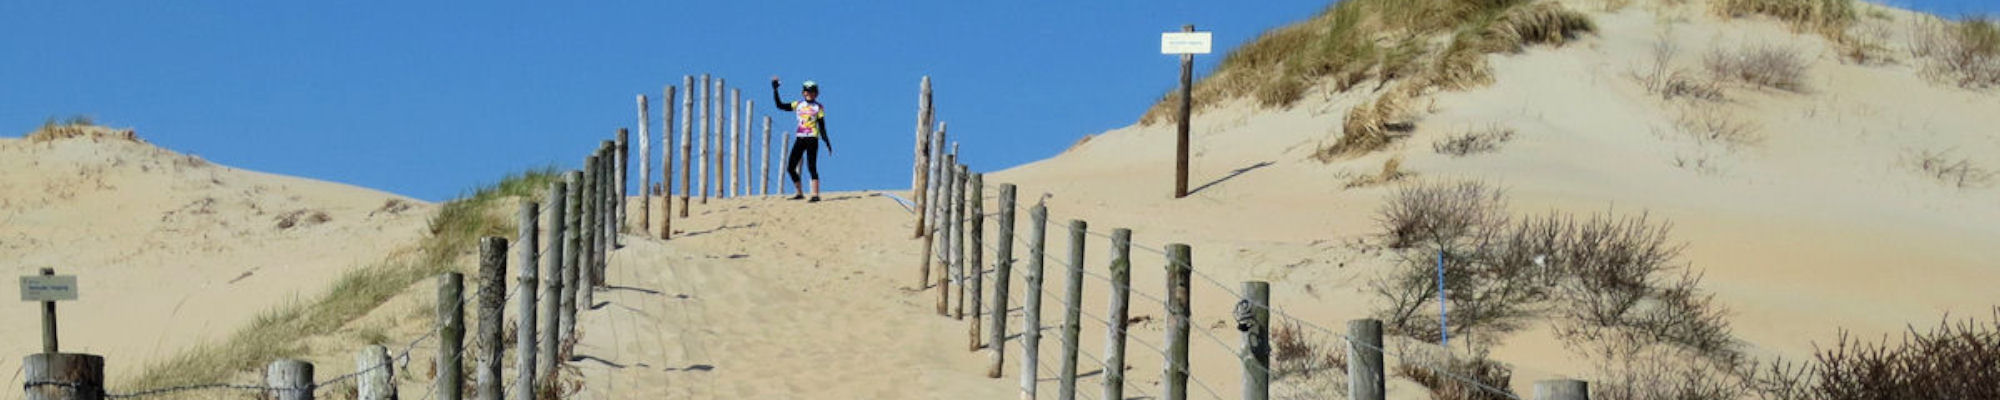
1427,357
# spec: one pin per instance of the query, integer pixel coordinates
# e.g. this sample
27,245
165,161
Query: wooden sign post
1186,43
48,288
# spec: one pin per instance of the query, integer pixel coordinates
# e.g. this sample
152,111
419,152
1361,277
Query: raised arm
776,99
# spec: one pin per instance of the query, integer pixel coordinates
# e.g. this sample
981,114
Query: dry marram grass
1966,53
1473,142
1771,66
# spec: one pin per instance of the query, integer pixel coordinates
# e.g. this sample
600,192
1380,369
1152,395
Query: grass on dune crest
281,332
1407,48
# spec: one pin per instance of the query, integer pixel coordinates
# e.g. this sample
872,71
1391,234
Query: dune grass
75,126
281,331
1355,41
1829,18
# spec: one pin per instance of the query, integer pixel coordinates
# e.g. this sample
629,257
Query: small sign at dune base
1185,42
48,288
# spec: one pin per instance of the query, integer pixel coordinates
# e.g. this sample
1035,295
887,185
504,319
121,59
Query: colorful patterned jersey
809,113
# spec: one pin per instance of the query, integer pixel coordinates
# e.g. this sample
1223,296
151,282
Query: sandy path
753,301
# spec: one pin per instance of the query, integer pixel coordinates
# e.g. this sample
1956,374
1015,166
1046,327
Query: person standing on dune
811,131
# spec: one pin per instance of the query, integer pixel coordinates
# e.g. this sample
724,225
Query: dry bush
1959,172
1829,18
1966,53
1956,360
1771,66
1473,142
1385,40
1446,376
1306,365
1655,373
1663,79
1712,124
1439,212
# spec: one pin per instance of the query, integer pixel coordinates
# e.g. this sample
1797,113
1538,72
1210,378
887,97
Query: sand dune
171,250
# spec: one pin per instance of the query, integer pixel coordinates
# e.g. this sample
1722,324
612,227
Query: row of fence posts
716,149
950,221
582,229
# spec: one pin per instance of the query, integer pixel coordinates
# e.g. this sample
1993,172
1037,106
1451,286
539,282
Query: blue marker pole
1444,332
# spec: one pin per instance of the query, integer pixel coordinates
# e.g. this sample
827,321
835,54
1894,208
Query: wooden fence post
920,173
707,108
588,229
1562,389
63,376
1364,360
289,379
1072,310
687,141
451,335
376,379
1121,295
572,249
946,224
749,148
621,186
552,266
1003,266
735,133
721,133
1253,318
958,225
1031,337
930,239
667,118
613,198
977,273
529,282
492,309
1179,268
765,176
645,166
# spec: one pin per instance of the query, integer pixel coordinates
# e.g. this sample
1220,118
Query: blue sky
431,98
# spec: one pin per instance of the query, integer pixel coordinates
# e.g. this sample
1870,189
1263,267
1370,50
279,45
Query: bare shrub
1656,373
1446,377
1956,171
1440,212
1308,365
1771,66
1965,53
1660,77
1473,142
1956,360
1711,124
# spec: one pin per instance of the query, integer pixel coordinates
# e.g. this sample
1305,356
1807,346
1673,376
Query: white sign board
1185,42
48,288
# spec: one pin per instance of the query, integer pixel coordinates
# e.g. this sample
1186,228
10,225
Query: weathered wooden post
376,377
721,133
1072,310
687,140
934,209
1364,360
977,274
707,120
1031,337
492,304
646,166
1120,314
289,379
63,376
920,173
667,118
613,198
945,226
1003,266
528,282
621,186
732,134
958,223
552,299
1186,114
1253,318
587,259
572,257
765,175
781,184
1179,268
1562,389
749,148
451,335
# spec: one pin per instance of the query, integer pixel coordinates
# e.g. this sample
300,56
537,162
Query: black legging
809,146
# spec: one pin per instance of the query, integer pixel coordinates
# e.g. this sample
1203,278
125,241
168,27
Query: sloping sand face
171,250
1821,223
